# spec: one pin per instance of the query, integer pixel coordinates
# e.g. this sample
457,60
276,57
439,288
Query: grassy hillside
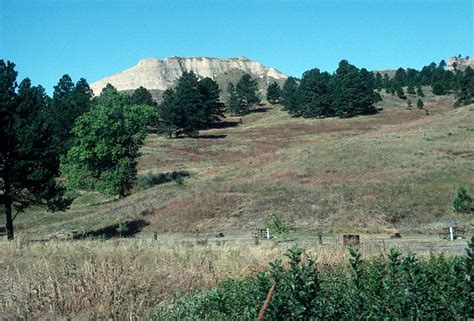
398,169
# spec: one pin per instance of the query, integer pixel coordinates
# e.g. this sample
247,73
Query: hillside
158,75
398,169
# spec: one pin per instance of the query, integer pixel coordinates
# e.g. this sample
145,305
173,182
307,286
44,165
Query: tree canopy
107,140
273,93
29,152
247,92
141,96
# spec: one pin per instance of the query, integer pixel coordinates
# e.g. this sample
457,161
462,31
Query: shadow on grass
132,228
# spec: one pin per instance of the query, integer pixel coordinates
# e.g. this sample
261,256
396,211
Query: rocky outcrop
157,74
460,63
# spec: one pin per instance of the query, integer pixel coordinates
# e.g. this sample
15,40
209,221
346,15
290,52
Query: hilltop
157,75
398,169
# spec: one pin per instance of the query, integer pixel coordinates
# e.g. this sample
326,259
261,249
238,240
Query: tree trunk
7,203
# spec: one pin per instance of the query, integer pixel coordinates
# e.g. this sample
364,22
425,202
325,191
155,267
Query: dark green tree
289,96
141,96
29,153
400,76
315,94
419,92
420,104
273,93
463,202
378,82
411,89
399,90
213,109
465,88
247,91
168,114
69,102
233,102
107,140
438,88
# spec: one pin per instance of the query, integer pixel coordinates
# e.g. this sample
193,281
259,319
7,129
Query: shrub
277,225
150,179
462,202
393,287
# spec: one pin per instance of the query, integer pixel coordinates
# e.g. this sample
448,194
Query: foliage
141,96
246,90
349,92
420,104
465,90
122,228
463,202
289,96
392,287
438,88
29,152
419,92
107,140
68,103
277,225
150,179
233,102
192,105
273,93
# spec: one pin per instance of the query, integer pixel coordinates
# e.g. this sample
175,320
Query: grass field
397,170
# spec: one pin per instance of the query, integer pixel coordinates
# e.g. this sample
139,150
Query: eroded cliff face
161,74
460,63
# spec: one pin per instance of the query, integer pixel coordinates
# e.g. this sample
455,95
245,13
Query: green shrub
462,202
277,225
394,287
150,179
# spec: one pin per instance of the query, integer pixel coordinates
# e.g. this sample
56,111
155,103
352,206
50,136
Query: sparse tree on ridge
420,104
419,92
29,153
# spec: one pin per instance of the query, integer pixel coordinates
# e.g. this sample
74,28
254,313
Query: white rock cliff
160,74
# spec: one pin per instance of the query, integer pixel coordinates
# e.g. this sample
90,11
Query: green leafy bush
277,225
395,287
462,202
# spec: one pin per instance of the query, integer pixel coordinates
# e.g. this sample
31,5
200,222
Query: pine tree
273,93
168,115
213,109
29,151
141,96
289,96
465,88
247,91
438,88
411,89
233,103
420,104
419,92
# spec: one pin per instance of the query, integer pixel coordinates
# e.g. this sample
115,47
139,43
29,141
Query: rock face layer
162,74
460,63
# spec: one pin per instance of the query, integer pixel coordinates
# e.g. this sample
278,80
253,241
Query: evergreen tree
465,88
233,103
168,114
378,82
400,76
399,90
273,93
438,88
409,104
141,96
419,92
29,158
420,104
107,140
213,109
289,96
247,91
315,95
411,89
68,103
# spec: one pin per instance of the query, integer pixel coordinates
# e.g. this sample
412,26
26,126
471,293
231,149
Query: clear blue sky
93,39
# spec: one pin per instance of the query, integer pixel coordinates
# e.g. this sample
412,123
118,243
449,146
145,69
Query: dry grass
126,279
398,169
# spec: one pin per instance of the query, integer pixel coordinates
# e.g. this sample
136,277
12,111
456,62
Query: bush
151,179
394,287
277,225
462,202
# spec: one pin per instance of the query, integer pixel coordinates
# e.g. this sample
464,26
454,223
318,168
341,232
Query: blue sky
94,39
